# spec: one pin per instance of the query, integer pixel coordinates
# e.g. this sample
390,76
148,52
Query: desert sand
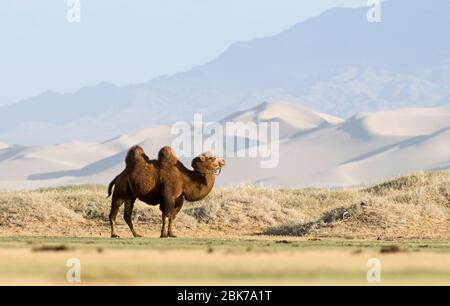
315,150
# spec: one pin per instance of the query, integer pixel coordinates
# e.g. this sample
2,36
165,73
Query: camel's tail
110,187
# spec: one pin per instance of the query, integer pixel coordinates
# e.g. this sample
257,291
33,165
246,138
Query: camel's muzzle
221,164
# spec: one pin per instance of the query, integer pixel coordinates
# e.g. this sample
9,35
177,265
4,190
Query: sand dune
3,145
292,118
317,150
407,122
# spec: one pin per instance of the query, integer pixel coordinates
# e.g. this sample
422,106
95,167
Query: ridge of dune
127,140
4,145
328,152
292,118
292,114
405,122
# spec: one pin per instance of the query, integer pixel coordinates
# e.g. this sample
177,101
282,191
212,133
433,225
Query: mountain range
336,63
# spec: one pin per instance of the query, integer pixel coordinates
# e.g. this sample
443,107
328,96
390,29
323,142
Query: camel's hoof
172,236
164,236
115,236
137,236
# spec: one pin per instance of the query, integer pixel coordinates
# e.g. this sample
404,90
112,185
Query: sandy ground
215,262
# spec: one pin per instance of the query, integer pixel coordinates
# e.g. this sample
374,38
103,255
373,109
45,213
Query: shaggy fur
165,182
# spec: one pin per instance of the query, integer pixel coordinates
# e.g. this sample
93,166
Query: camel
165,182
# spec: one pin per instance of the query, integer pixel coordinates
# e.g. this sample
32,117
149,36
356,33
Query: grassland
241,235
263,261
410,207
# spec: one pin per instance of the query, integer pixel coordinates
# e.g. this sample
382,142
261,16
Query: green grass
234,245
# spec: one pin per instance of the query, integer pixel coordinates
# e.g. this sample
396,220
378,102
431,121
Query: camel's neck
197,186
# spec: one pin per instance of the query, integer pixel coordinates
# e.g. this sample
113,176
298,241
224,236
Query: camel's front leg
173,215
163,228
171,234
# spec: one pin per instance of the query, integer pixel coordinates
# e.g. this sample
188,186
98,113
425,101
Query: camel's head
206,163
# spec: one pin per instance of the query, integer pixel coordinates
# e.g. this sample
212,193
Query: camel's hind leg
115,206
129,205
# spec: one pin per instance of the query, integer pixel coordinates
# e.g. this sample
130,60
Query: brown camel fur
165,181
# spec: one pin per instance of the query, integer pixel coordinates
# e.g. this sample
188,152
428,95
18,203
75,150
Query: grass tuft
416,206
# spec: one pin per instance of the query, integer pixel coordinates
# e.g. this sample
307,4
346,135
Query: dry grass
409,207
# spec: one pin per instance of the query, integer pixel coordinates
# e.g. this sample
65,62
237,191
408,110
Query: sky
127,42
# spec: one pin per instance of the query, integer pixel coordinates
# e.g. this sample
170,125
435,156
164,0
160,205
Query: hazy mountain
336,63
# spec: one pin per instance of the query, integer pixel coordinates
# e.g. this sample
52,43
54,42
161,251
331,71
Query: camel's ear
202,158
